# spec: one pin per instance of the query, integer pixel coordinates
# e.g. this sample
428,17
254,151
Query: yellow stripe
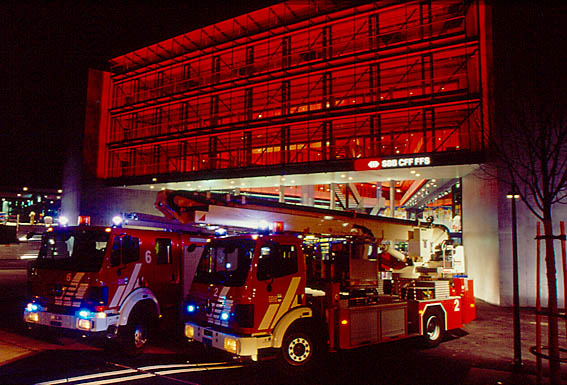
289,296
268,316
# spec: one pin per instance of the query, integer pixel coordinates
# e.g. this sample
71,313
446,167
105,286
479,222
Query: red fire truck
319,281
115,282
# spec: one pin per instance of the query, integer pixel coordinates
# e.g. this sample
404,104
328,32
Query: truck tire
135,335
301,351
433,327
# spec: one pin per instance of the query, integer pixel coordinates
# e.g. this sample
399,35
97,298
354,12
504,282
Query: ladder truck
309,281
114,282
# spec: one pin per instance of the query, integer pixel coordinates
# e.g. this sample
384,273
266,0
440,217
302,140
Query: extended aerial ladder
420,240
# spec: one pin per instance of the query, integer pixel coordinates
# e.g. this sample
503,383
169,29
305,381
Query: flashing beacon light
84,220
278,227
117,220
64,221
190,308
220,232
263,227
224,316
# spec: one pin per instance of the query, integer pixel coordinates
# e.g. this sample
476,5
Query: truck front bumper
91,323
242,346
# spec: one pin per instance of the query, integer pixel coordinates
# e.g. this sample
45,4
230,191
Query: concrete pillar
332,203
392,198
308,195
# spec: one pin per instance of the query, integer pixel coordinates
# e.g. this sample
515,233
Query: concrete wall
102,203
480,236
527,251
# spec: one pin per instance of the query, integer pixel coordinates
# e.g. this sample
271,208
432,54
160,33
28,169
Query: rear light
244,315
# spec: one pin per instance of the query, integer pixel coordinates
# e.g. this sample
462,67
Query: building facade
379,106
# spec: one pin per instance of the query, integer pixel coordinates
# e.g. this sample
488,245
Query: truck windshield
225,262
73,249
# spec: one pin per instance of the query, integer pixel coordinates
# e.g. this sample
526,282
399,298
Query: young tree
529,151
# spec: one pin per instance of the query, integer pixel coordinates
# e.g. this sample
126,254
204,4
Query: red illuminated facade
295,86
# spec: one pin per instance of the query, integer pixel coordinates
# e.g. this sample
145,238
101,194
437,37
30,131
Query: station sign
391,163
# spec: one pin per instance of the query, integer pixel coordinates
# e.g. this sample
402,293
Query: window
125,249
115,255
130,249
276,260
163,251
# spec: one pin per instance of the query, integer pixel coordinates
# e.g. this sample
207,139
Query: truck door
279,282
165,273
192,251
123,269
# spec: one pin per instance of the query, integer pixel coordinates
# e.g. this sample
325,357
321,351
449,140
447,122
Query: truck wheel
135,335
433,328
300,352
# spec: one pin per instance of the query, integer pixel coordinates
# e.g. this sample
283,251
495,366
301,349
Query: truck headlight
84,324
32,317
231,345
189,331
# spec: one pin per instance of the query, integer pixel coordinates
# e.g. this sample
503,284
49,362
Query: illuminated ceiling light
343,176
59,191
293,181
188,184
152,187
417,174
231,182
434,180
25,189
412,172
282,178
19,194
350,178
154,179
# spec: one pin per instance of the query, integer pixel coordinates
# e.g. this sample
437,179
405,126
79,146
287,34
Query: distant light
63,220
154,179
59,191
224,316
190,308
25,189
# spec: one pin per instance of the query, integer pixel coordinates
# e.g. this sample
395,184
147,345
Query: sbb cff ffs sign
375,164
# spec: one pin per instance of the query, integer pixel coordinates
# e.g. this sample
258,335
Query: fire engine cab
320,280
112,281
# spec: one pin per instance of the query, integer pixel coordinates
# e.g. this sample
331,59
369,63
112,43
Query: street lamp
517,337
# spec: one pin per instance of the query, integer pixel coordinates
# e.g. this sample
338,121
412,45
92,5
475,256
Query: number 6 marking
148,256
457,305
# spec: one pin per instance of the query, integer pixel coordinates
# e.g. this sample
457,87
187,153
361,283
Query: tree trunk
554,364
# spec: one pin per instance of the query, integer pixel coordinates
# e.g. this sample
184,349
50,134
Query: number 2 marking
457,305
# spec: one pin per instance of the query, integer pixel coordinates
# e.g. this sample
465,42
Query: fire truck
115,282
314,280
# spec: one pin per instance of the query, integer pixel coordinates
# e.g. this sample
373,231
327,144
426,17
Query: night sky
46,50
